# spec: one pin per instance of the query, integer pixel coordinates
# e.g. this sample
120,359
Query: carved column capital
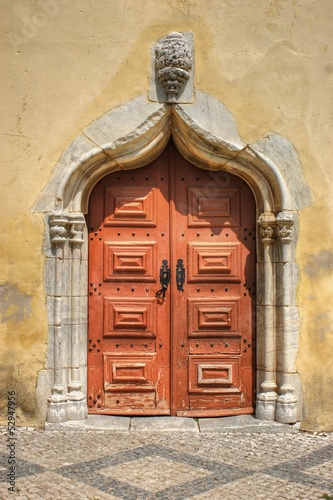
65,227
58,228
77,223
285,222
267,223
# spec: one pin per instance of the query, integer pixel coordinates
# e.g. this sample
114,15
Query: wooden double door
171,292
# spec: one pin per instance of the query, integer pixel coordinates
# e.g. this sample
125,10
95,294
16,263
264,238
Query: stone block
163,424
265,407
124,123
83,377
215,122
83,343
78,149
287,332
266,283
240,424
282,154
294,380
43,391
77,410
265,337
50,348
287,276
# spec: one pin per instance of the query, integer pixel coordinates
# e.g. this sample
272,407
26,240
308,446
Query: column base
286,407
77,409
56,411
265,407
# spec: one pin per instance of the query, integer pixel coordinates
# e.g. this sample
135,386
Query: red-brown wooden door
190,354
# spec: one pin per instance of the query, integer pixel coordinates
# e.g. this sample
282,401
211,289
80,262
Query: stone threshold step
239,423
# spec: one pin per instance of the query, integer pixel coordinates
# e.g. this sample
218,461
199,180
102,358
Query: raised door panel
129,372
213,206
132,206
214,262
126,317
212,317
130,261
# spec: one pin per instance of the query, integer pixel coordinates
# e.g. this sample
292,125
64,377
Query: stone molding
205,134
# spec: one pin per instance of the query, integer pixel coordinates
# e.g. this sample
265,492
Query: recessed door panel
171,292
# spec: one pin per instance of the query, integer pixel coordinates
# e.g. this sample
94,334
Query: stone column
287,321
266,399
77,404
57,408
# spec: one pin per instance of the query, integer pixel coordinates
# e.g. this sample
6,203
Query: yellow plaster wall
67,63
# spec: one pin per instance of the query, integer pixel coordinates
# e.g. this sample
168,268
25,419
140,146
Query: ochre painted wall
67,63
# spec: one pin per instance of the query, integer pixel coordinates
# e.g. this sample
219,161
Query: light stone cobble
107,465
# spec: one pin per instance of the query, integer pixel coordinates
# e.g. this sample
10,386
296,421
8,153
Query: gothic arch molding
205,133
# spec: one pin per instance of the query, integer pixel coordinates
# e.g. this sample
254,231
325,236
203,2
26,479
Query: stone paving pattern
267,463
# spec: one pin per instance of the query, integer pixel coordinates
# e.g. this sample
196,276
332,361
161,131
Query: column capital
77,223
58,228
267,223
66,226
285,222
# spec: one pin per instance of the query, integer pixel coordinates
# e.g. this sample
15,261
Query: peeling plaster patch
320,262
14,306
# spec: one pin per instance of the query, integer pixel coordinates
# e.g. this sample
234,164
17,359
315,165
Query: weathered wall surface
67,63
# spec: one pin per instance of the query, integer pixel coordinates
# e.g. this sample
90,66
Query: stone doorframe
130,137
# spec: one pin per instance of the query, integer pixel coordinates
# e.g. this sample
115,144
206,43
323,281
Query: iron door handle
164,279
180,275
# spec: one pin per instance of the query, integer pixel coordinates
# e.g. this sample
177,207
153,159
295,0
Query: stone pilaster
266,399
286,406
57,407
76,404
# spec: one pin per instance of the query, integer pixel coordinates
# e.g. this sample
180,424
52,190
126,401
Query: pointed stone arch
205,133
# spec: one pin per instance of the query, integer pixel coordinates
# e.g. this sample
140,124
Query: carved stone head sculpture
173,63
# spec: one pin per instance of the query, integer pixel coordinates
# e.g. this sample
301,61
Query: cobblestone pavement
104,464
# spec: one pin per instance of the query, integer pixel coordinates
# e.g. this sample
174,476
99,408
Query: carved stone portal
205,135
